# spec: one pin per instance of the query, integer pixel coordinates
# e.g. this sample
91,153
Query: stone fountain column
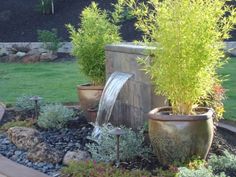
137,97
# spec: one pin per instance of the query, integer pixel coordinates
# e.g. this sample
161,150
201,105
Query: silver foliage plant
104,148
54,116
223,163
217,167
23,103
202,171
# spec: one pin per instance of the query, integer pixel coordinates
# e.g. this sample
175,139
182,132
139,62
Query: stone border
227,126
231,47
4,46
9,168
67,47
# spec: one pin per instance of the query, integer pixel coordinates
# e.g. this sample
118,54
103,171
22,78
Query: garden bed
74,137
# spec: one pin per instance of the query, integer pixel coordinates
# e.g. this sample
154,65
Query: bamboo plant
188,35
89,40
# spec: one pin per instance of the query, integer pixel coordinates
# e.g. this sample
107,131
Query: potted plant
188,36
95,31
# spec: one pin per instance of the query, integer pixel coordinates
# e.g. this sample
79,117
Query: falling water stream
109,95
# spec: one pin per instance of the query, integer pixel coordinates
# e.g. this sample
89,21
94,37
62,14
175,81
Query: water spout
109,95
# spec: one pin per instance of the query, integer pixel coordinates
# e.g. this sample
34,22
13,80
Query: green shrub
225,163
89,41
16,123
50,39
54,116
24,104
93,169
188,46
131,145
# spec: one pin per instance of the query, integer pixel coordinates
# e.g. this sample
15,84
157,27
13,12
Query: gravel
63,140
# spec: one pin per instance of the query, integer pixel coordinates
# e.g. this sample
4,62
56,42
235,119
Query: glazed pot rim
158,114
89,86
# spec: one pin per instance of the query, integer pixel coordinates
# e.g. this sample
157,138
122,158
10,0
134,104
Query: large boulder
4,58
31,58
48,56
24,138
20,54
20,48
76,156
13,58
44,153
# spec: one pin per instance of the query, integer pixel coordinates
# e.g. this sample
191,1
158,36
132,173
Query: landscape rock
10,151
20,54
44,153
24,138
233,52
31,58
47,56
34,51
76,156
2,53
4,58
13,58
20,48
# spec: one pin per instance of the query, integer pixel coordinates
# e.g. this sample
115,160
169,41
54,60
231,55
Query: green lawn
230,85
55,82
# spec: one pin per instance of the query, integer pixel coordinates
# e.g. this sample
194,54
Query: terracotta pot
89,96
92,115
177,138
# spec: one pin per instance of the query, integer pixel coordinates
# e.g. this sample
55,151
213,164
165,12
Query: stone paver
9,168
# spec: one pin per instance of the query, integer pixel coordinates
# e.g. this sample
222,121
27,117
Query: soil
19,21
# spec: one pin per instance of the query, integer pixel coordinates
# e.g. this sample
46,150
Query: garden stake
36,99
117,132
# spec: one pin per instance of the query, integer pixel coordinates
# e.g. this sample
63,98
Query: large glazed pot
89,97
177,138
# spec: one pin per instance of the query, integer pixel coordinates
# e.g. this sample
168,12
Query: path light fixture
36,100
117,132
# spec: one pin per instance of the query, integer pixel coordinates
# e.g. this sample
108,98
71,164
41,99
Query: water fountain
109,95
137,96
